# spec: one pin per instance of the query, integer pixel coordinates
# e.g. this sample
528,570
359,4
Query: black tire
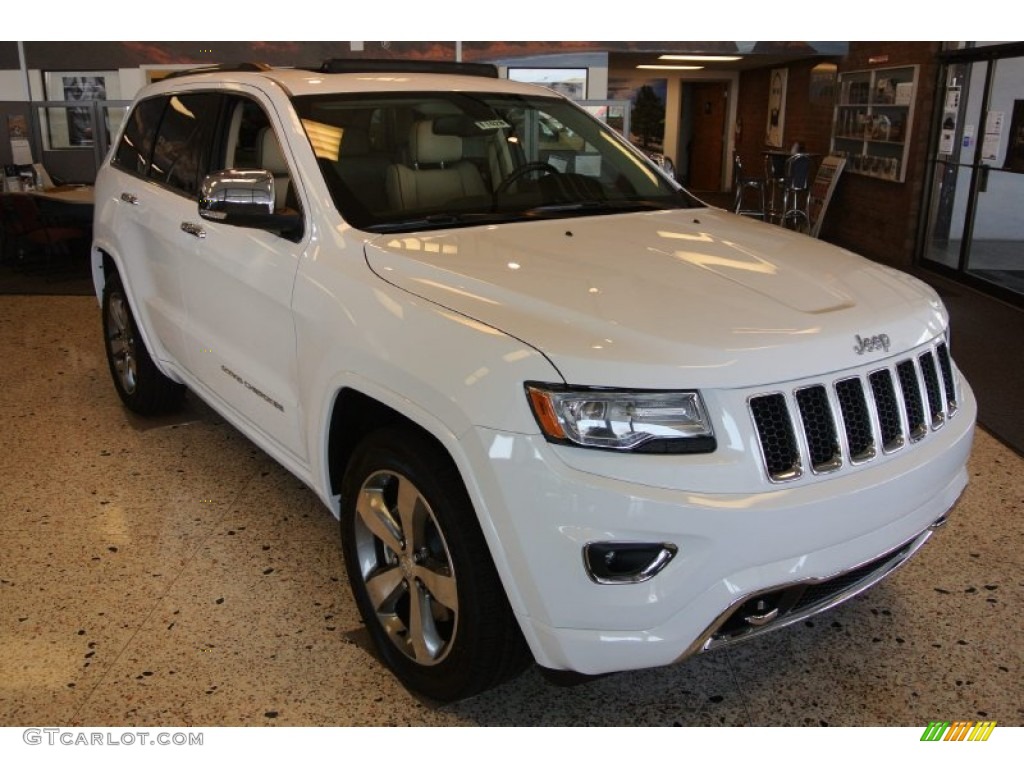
466,638
139,383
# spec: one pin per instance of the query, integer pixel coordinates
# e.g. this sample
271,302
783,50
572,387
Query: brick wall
875,218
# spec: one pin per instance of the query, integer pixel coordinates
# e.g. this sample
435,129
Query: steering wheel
523,170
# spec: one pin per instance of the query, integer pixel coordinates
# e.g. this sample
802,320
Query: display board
821,191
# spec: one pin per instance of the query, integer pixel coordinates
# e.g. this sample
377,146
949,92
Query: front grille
827,427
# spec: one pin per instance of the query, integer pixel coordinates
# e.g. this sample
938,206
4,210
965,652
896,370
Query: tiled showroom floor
172,574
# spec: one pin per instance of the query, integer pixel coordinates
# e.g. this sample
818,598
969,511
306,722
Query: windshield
402,162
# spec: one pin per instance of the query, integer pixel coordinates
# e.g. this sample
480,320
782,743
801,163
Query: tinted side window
182,143
245,127
133,153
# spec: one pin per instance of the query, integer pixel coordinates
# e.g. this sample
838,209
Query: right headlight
622,420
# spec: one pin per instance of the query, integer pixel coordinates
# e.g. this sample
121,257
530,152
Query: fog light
613,562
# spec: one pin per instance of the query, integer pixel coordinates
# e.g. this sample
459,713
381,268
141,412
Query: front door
708,108
238,289
975,220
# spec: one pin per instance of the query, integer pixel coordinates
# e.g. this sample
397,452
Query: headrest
271,156
354,143
427,147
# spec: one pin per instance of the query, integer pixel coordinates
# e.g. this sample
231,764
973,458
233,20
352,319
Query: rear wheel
138,381
420,570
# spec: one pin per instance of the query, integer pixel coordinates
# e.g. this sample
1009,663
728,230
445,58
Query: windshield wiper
441,220
597,206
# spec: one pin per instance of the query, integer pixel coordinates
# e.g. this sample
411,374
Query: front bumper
538,513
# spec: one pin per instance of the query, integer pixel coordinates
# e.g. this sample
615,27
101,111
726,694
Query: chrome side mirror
227,194
246,198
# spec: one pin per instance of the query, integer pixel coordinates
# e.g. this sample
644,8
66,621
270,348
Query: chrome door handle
193,229
128,197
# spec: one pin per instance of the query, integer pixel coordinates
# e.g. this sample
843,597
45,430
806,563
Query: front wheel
138,381
420,570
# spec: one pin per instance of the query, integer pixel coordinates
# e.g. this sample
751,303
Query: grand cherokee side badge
871,344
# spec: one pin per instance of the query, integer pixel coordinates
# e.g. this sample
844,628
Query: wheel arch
354,413
105,265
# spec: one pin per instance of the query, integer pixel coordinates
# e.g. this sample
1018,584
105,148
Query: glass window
133,152
181,146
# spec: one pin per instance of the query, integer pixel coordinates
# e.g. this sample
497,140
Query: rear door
147,239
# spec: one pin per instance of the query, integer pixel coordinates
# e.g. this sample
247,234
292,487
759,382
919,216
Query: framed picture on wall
776,107
72,127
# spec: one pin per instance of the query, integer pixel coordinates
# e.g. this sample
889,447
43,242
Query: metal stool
774,183
796,191
742,184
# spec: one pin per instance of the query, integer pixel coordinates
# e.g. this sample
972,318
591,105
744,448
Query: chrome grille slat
931,387
826,426
946,366
906,371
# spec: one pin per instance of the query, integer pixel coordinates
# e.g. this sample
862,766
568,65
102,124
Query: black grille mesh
775,431
947,377
936,407
856,419
893,412
912,398
888,409
819,427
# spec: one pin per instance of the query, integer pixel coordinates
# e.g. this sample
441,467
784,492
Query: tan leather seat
435,174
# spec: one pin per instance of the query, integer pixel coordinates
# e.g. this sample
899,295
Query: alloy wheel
406,567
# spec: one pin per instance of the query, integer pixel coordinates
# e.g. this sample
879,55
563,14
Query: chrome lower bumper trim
884,565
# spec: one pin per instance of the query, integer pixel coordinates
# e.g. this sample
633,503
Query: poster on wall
993,136
1014,160
647,97
947,136
17,129
70,127
776,107
82,88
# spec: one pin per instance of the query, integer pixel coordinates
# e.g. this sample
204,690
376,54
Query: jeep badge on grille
871,344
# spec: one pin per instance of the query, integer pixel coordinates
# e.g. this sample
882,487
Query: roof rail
245,66
351,66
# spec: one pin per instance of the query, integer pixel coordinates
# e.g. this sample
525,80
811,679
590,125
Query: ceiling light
688,57
666,66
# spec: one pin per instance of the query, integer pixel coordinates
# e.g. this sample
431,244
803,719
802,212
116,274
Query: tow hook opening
611,562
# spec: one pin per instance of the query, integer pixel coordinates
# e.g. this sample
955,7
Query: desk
44,225
72,194
71,204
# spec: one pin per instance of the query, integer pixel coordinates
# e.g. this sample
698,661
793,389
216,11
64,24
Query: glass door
975,219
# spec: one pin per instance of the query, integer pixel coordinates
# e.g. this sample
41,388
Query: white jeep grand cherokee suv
562,408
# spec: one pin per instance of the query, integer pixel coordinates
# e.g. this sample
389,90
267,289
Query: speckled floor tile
168,572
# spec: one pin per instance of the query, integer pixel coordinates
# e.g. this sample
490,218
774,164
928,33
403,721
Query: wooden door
708,109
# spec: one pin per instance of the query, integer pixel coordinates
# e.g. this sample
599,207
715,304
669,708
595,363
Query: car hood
668,299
